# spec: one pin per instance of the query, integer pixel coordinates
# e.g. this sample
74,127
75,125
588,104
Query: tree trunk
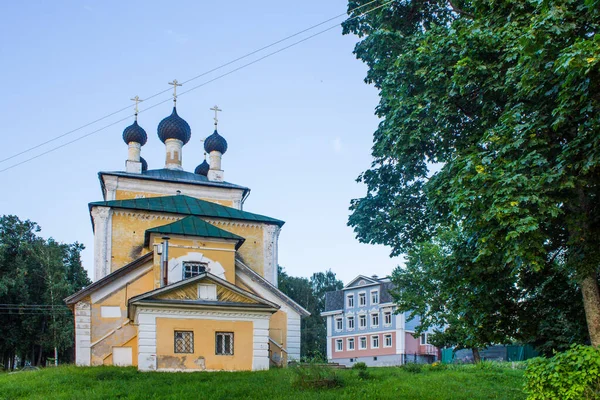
591,303
476,356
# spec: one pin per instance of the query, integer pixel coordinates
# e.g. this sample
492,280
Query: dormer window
193,268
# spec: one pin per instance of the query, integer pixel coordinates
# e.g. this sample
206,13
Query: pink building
362,326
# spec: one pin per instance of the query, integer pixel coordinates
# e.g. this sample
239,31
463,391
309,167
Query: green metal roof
193,226
186,205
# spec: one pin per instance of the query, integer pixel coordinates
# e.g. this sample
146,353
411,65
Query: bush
413,368
363,374
573,374
360,366
315,376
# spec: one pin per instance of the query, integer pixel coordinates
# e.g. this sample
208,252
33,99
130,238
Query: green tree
35,275
310,294
503,96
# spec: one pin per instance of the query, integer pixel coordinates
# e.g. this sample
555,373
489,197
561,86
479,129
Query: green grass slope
89,383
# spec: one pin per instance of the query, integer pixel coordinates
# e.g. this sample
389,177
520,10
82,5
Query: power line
189,80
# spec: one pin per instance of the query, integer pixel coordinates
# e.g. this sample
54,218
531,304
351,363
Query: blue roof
173,175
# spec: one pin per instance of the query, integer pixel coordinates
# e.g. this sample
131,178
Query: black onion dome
174,127
215,142
135,133
202,169
144,164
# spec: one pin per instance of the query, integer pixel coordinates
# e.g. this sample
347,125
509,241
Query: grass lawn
90,383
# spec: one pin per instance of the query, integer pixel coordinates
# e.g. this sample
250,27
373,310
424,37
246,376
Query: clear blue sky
299,124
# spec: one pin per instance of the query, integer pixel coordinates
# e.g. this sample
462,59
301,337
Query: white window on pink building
339,345
424,339
387,340
350,344
362,343
375,342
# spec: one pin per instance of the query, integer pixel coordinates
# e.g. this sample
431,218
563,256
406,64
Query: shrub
360,366
413,368
363,374
315,376
573,374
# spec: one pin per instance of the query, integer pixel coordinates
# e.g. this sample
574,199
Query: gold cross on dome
137,100
216,109
175,84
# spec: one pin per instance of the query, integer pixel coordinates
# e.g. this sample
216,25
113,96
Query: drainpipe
164,275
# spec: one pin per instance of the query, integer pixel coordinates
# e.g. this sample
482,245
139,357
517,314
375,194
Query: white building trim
102,217
83,333
270,239
293,317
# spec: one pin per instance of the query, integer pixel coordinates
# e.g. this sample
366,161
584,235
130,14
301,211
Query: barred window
184,342
224,343
191,269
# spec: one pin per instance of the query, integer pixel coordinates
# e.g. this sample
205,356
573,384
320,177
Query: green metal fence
496,353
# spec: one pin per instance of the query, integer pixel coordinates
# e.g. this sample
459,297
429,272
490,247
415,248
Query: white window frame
362,339
362,296
341,324
385,339
195,268
374,315
387,314
350,344
426,341
350,300
362,318
225,336
350,323
339,345
375,341
375,292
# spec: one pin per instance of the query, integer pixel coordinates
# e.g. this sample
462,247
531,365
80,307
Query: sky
299,124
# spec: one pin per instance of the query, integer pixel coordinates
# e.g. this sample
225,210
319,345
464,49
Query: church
185,279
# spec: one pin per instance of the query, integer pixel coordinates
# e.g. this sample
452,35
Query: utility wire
193,88
189,80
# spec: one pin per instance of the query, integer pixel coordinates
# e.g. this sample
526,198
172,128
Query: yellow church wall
252,251
278,327
130,194
118,330
128,230
204,356
181,246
